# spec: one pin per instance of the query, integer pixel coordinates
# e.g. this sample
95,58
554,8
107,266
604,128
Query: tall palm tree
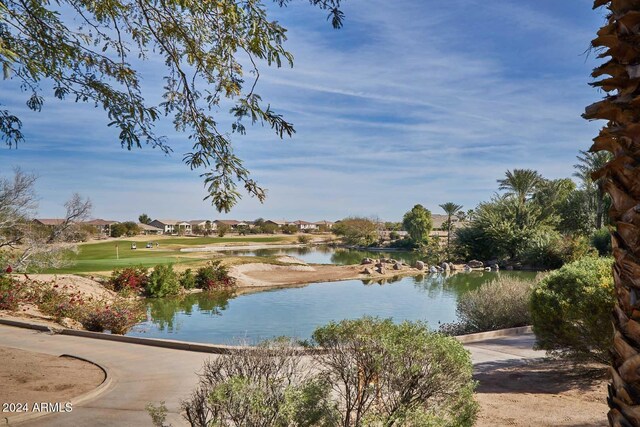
520,183
590,163
619,40
450,209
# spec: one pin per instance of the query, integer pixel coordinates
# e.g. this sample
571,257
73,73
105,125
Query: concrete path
143,374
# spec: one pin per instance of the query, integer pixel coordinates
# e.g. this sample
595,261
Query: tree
588,164
223,229
84,51
357,231
26,245
451,209
618,40
144,219
128,228
520,183
418,224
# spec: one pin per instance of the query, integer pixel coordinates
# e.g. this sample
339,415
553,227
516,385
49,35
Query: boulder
379,264
420,265
495,267
474,263
392,261
487,269
445,266
397,266
452,267
366,261
466,267
380,270
433,269
367,271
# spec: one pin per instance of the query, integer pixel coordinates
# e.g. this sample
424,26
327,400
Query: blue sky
413,101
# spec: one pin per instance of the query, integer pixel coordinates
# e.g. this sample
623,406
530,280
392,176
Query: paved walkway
143,374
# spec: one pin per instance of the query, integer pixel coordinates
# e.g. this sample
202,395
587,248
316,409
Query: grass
101,257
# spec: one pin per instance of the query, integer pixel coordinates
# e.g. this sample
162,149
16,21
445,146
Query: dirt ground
542,393
28,377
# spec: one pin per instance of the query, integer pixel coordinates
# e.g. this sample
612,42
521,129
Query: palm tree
520,183
589,164
619,40
450,209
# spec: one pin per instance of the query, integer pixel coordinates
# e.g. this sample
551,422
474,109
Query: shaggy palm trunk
619,41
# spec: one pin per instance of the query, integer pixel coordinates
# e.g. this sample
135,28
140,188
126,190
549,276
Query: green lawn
101,257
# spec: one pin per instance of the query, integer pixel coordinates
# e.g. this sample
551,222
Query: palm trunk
620,39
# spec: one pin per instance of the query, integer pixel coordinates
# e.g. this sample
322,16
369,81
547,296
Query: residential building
232,223
305,226
172,226
147,229
101,226
327,225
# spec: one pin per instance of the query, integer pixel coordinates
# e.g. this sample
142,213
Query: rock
466,267
452,267
509,268
393,261
366,261
379,264
380,270
433,269
420,265
397,266
367,271
445,266
487,269
495,267
474,263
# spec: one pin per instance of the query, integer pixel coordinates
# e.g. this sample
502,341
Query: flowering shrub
117,316
58,304
12,292
129,279
214,276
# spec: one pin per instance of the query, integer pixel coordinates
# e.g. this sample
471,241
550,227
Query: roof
323,222
300,222
50,221
277,222
100,222
168,221
229,221
148,227
198,221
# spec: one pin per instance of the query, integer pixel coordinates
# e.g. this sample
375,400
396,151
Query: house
232,223
147,229
201,224
172,226
101,226
326,225
305,226
277,223
49,222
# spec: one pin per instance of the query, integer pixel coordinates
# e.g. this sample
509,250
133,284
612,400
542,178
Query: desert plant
213,276
188,279
571,310
223,229
12,292
263,387
498,304
303,239
117,316
162,282
396,374
129,279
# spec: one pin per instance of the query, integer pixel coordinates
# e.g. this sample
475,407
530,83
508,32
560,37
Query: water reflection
163,312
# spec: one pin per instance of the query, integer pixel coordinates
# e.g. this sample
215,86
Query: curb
105,385
482,336
153,342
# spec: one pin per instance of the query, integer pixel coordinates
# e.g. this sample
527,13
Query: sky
413,101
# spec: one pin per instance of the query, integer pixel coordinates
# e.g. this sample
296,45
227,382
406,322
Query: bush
12,293
263,387
187,279
571,310
214,276
162,282
499,304
302,239
115,316
411,376
601,241
129,279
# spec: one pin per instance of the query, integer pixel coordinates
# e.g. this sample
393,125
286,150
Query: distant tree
128,228
269,228
223,229
144,219
588,164
258,222
25,245
197,230
521,183
417,222
357,231
289,229
451,210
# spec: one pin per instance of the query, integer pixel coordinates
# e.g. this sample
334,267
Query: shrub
129,279
302,239
115,316
12,293
601,240
162,282
223,229
410,374
59,304
214,276
263,387
187,279
499,304
571,310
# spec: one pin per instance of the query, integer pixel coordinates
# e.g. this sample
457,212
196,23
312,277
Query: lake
226,319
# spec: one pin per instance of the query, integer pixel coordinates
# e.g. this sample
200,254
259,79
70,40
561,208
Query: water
329,255
296,312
